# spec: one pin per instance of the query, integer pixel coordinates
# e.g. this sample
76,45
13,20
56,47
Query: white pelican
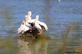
38,23
25,26
27,19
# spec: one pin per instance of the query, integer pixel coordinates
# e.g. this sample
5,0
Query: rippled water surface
63,18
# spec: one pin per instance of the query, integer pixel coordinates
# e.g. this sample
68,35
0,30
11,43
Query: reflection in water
32,45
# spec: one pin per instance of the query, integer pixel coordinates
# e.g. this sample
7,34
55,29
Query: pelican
25,26
27,19
36,22
40,24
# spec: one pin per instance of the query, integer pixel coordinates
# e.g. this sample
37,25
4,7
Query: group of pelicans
31,25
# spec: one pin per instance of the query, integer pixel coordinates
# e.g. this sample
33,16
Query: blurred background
63,17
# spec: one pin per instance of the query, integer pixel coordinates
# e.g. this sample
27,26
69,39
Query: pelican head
37,17
29,13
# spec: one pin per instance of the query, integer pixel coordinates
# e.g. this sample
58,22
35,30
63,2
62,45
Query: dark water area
63,17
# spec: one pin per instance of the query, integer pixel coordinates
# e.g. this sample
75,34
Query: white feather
23,29
36,22
44,25
28,18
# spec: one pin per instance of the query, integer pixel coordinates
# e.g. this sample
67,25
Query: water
59,16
